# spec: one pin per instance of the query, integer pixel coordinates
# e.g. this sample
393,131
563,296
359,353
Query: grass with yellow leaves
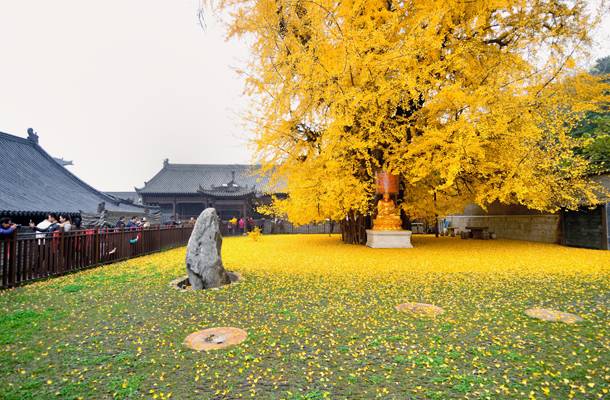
322,324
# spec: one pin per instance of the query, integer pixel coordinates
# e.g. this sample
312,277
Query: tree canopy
467,101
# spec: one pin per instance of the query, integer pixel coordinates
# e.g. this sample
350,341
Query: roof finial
232,176
33,136
166,162
62,162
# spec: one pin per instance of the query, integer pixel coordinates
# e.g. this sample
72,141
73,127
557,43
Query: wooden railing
31,257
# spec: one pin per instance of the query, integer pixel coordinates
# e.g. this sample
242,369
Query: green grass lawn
322,324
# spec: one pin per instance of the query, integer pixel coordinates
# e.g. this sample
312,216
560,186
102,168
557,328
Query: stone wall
535,228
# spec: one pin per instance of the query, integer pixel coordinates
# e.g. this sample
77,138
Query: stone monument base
388,239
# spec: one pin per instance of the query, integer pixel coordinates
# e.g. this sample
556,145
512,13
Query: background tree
594,129
468,101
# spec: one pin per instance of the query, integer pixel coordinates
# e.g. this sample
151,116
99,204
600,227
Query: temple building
182,191
33,184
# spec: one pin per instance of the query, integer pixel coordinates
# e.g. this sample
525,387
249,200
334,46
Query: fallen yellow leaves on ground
322,323
321,254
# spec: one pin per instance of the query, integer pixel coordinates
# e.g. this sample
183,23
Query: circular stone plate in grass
553,315
215,338
420,309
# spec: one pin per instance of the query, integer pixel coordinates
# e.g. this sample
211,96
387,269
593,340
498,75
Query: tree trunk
353,228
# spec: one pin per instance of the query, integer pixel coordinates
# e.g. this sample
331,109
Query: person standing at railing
48,225
120,223
64,223
43,229
132,224
7,232
7,228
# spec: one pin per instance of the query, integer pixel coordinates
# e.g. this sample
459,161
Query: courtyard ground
322,324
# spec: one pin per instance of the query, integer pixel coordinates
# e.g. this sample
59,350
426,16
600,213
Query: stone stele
203,260
429,310
215,338
552,315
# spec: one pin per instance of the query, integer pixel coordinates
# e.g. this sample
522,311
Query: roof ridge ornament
166,162
32,136
62,162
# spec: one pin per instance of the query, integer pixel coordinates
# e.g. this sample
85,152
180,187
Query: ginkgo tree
467,101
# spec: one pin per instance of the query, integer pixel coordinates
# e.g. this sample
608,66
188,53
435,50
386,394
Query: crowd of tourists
53,223
133,223
242,225
56,223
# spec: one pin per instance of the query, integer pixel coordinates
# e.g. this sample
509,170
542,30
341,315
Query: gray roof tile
128,196
32,181
208,178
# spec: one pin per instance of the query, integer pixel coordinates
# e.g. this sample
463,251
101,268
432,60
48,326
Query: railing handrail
39,255
26,233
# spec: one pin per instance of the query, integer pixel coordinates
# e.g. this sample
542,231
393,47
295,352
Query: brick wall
535,228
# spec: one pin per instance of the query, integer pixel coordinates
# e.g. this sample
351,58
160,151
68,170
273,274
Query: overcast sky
119,85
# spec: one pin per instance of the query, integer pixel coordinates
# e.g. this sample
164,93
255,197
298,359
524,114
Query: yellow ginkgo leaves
468,101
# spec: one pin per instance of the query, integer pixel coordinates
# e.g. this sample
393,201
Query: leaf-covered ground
322,324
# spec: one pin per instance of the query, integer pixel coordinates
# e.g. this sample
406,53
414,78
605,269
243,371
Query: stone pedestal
388,239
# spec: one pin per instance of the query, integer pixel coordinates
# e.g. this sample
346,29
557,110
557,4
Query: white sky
119,85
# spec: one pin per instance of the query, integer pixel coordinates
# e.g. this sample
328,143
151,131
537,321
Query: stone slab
429,310
553,315
215,338
388,239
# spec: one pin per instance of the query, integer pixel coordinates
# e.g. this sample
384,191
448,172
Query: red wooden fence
27,258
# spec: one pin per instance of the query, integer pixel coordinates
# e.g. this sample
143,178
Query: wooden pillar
605,226
174,204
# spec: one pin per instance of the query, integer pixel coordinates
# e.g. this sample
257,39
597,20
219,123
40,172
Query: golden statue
388,216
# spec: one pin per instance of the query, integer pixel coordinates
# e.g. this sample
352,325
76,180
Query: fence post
96,247
159,237
4,261
12,261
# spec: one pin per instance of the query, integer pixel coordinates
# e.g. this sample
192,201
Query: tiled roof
213,179
132,197
32,181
